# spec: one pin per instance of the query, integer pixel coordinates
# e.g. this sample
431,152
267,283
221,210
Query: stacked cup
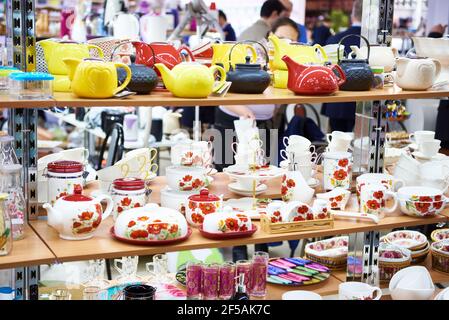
428,146
303,153
338,141
248,152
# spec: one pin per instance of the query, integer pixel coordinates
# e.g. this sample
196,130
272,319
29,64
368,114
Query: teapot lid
248,64
77,196
204,196
65,166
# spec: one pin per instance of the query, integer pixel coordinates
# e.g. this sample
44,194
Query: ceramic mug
337,170
373,199
422,136
192,154
390,182
338,141
299,157
430,148
297,142
358,291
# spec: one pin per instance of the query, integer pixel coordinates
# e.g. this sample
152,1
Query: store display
379,55
313,79
248,77
337,199
332,253
5,227
31,86
440,255
299,53
359,76
358,291
373,200
296,272
76,216
191,80
337,170
412,283
392,258
128,193
93,78
11,184
63,178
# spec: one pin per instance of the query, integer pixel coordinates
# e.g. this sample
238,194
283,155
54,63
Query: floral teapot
94,78
76,216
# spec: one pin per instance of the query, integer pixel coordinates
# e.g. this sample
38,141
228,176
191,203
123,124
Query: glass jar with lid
15,204
5,227
31,85
4,78
7,153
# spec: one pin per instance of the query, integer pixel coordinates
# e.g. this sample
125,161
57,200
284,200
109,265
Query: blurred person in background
322,31
342,115
302,35
226,27
286,28
271,10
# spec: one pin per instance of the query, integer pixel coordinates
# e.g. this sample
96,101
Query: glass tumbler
259,269
210,281
244,266
194,280
227,281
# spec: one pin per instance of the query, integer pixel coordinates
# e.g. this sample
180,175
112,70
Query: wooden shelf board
270,96
29,251
102,245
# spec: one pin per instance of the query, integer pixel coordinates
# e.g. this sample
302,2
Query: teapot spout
167,76
71,65
53,219
293,67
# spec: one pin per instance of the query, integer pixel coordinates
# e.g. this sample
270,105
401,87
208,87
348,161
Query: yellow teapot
95,78
191,79
302,54
239,53
55,52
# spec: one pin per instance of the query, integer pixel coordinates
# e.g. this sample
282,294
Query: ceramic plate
227,235
406,238
236,188
334,247
246,205
296,272
244,172
151,242
419,155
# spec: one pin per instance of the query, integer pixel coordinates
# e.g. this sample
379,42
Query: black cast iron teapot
359,76
248,77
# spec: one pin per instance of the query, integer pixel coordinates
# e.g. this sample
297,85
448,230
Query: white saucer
419,155
236,188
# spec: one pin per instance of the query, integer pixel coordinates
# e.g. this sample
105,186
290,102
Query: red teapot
313,79
164,52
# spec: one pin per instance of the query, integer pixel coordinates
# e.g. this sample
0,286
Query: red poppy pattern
123,203
143,228
339,174
237,223
87,220
287,188
276,216
425,206
197,210
187,183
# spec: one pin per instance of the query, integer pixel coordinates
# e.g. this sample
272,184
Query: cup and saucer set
426,146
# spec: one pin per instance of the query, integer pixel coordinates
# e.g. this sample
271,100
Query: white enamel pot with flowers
76,216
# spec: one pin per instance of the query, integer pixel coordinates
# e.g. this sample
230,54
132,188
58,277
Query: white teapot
417,74
379,56
76,216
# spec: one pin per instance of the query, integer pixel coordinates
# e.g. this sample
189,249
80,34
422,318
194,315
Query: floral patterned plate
440,234
412,240
296,272
227,235
151,242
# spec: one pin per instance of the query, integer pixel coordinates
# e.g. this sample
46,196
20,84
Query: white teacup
430,148
304,157
297,142
338,141
358,291
422,136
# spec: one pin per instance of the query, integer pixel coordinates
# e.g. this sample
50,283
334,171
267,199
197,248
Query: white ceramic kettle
76,216
417,74
380,56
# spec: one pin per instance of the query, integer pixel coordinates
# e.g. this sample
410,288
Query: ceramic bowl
151,222
412,283
393,253
441,247
186,178
412,240
421,209
176,200
440,234
337,198
301,295
421,194
334,247
420,255
226,221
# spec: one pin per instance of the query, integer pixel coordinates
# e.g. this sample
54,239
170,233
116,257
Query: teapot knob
247,59
353,55
77,189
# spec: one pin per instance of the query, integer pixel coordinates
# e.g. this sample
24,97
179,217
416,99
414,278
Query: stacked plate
414,241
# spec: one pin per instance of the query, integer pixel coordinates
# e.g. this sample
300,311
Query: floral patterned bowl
186,178
440,234
226,221
440,255
412,240
421,201
334,247
151,223
422,194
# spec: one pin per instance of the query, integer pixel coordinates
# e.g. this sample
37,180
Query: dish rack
286,227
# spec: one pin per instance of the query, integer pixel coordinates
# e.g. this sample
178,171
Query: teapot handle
438,67
342,77
184,48
109,205
324,56
97,48
222,72
127,79
253,51
354,35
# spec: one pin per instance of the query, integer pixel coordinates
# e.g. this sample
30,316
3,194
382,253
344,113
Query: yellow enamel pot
191,79
302,54
93,78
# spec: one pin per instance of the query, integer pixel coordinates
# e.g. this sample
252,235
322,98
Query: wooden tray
285,227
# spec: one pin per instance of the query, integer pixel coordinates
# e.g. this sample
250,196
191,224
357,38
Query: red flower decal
97,222
125,202
340,175
338,198
298,218
343,162
131,224
98,208
76,225
378,195
143,218
284,190
334,204
284,178
192,205
437,205
137,205
438,198
173,228
291,183
136,234
277,214
119,209
373,204
154,228
309,216
86,215
207,208
425,199
232,224
303,209
422,207
187,178
243,228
